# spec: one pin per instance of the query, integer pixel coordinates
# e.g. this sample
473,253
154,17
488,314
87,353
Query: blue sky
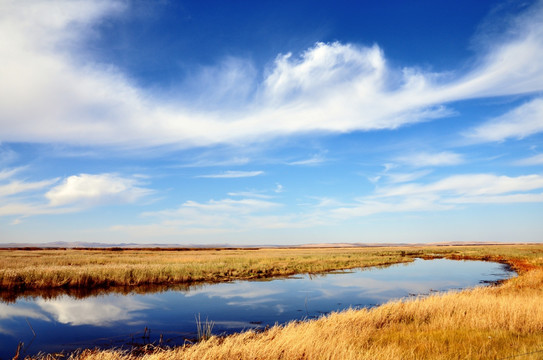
271,122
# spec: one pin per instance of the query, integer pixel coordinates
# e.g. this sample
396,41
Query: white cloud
402,177
25,209
367,207
15,194
326,89
500,199
471,184
244,215
314,160
444,158
232,174
21,198
518,123
249,194
533,160
16,187
445,194
8,173
205,162
7,156
221,217
88,190
24,198
217,213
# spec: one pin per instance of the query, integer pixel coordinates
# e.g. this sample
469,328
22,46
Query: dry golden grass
72,269
500,322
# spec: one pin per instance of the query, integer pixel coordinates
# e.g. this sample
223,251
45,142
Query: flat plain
493,322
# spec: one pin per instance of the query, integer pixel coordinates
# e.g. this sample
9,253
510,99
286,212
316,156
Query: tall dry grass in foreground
500,322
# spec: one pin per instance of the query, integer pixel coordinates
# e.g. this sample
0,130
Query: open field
484,323
72,269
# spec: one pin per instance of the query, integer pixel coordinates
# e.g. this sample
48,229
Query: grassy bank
44,270
499,322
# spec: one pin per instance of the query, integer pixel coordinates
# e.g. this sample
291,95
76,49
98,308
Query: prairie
495,322
48,269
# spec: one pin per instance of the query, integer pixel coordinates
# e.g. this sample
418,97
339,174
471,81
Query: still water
113,320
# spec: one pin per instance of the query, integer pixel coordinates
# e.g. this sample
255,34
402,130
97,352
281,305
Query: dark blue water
65,323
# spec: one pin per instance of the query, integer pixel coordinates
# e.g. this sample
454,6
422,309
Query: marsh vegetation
483,323
37,269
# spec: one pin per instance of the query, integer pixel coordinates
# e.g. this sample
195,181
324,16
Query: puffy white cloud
518,123
329,88
323,67
88,190
23,198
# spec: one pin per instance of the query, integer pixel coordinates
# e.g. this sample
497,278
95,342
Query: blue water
65,323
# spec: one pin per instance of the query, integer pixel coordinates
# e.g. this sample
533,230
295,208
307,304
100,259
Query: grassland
27,270
498,322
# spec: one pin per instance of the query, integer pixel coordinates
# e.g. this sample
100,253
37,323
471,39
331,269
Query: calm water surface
66,323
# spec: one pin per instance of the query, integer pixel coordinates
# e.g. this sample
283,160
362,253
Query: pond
65,323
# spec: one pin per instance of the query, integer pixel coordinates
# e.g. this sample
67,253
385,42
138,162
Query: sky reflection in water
116,320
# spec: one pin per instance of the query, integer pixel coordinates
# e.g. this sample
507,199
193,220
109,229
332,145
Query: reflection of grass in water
483,323
204,328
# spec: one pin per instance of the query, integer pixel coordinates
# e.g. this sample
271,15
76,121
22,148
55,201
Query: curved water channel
65,323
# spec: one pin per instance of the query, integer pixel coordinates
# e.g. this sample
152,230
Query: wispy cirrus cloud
471,184
211,217
16,187
324,89
446,194
518,123
231,174
422,159
8,173
532,160
206,162
248,214
396,177
314,160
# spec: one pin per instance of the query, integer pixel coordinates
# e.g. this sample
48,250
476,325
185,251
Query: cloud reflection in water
97,311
